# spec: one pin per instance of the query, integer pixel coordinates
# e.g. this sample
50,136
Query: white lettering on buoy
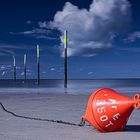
114,107
103,118
116,116
100,102
101,110
112,101
109,124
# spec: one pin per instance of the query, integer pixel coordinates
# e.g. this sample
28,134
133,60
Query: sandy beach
63,107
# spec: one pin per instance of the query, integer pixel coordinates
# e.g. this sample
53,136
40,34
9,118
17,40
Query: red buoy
109,111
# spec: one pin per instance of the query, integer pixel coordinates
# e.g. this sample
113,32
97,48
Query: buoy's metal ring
137,97
137,105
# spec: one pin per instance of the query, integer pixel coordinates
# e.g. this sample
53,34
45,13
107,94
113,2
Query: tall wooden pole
65,59
25,67
38,65
14,67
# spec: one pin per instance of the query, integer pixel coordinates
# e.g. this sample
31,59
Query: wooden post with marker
38,65
14,67
65,59
25,67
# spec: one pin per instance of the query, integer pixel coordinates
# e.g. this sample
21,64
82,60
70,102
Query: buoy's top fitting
137,101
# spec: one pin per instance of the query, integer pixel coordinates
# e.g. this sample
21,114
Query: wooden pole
38,65
25,67
65,59
14,67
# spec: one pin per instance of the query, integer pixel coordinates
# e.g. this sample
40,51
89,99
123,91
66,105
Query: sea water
76,87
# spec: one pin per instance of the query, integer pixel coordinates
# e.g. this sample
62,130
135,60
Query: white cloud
38,33
43,24
2,67
90,73
5,67
91,31
6,49
133,37
34,31
22,73
52,69
27,73
3,73
44,72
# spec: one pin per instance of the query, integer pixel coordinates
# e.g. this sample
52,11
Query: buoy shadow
132,128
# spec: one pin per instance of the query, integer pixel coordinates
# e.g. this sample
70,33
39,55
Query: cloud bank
91,31
133,37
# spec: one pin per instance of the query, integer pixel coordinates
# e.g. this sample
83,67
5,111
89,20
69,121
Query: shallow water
82,87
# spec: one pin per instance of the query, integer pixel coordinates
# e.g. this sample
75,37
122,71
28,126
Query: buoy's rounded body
109,111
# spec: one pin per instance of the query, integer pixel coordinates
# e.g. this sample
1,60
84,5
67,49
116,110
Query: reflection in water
83,87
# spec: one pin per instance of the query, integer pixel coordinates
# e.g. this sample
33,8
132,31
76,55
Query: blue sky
104,38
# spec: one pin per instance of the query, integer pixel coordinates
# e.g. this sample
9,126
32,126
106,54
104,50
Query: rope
40,119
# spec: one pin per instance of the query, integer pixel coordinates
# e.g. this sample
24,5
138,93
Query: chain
41,119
